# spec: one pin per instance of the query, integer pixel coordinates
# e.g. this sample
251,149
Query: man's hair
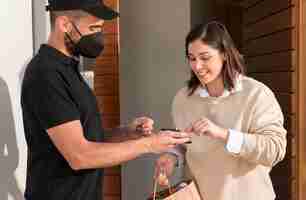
74,15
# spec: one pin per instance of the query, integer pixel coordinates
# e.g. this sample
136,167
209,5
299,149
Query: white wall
15,51
152,69
41,23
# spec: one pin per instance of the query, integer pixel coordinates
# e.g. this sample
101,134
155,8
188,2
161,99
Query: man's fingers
145,121
176,141
188,134
147,133
188,129
144,125
176,134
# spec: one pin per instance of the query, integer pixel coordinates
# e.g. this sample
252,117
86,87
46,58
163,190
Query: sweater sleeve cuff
235,141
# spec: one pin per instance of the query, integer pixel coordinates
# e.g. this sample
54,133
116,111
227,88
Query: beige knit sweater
255,112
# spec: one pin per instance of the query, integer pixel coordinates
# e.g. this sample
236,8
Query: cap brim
102,12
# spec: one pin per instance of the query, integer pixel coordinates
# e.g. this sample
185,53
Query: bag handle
169,188
156,184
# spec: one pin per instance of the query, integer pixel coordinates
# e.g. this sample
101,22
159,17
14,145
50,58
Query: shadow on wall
9,155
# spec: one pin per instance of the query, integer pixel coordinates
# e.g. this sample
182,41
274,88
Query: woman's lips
202,74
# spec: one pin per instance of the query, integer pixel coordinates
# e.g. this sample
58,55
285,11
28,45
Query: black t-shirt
54,92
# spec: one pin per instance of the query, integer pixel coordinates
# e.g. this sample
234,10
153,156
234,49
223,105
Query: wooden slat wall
107,92
270,47
230,15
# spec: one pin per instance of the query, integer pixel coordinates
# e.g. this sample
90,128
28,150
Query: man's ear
64,24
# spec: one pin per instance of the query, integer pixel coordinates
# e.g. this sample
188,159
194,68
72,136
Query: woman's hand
206,127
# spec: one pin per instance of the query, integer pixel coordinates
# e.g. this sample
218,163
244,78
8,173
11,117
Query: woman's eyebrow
205,53
200,54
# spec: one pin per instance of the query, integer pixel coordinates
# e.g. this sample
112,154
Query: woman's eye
205,58
191,59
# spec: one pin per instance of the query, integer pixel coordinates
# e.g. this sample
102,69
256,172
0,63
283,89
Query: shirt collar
202,91
50,51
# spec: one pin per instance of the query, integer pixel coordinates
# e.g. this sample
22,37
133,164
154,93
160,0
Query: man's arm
83,154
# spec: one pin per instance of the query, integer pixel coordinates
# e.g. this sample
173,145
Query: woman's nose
197,65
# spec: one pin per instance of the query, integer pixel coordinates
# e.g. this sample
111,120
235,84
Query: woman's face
205,61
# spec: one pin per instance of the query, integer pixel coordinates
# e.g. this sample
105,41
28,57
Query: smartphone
171,129
175,130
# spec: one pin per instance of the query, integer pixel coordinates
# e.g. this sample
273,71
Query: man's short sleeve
49,98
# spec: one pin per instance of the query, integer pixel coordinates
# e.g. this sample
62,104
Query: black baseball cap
94,7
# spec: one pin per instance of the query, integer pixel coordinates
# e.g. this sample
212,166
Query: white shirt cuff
235,141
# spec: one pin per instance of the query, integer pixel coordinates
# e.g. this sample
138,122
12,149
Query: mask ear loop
71,44
76,28
69,37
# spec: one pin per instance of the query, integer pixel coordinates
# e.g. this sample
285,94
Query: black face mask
90,46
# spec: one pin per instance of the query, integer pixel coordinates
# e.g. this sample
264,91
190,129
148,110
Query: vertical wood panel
290,124
110,121
107,92
113,185
106,85
109,197
106,65
286,101
301,125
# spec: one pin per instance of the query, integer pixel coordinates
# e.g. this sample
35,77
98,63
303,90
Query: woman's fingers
200,127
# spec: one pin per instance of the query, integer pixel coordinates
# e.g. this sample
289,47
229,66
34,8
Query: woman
236,121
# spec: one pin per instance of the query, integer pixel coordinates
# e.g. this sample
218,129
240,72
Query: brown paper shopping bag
186,190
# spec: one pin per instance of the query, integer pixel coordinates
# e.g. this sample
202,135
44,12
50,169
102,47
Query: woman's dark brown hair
215,35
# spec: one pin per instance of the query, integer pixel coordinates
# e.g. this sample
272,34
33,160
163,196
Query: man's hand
165,140
138,128
142,126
